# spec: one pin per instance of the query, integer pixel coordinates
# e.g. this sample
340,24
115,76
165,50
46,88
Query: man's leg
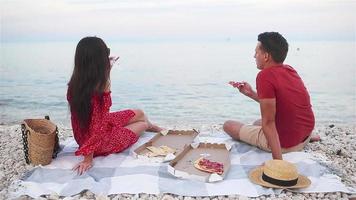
315,138
253,135
233,128
250,134
257,122
300,146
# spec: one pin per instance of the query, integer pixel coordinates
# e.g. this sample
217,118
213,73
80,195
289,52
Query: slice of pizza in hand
206,165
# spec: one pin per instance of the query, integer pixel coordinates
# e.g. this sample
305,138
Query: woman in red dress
97,131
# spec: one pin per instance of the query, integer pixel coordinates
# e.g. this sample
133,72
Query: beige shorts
254,136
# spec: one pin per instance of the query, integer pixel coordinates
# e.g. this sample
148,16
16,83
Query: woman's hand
84,165
112,60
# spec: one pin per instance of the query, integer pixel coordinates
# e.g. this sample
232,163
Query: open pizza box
184,165
171,142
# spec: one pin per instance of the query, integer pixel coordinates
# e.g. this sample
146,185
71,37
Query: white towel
122,173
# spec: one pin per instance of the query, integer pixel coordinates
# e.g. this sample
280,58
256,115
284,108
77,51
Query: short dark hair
275,44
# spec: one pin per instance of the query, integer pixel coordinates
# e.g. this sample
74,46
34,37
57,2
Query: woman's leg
137,127
141,117
154,128
233,128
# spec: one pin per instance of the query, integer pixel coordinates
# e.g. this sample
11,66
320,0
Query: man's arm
254,96
246,89
268,113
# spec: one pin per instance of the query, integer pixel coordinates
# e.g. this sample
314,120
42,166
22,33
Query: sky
147,20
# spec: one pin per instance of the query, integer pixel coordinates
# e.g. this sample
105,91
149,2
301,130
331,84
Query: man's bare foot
315,138
154,128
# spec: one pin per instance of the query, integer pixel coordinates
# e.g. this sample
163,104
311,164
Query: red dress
106,133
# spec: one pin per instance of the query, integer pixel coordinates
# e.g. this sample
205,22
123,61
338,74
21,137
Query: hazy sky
60,20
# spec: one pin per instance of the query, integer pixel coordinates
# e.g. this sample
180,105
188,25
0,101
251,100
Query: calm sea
175,83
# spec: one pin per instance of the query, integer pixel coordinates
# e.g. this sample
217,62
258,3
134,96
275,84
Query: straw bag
40,140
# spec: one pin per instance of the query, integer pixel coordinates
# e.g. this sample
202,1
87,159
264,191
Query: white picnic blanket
122,173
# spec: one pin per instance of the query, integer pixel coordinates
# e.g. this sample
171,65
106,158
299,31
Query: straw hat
278,174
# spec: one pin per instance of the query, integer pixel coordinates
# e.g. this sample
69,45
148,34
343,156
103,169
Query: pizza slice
156,150
150,154
167,149
160,151
206,165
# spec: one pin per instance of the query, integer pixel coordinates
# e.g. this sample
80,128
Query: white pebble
167,197
243,198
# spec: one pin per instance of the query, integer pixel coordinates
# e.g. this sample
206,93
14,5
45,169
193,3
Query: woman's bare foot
315,138
154,128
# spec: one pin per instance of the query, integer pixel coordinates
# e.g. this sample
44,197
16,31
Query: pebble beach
336,150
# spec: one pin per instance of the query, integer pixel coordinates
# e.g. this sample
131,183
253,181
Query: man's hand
235,84
245,88
84,165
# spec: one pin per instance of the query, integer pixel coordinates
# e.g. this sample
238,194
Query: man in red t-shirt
287,115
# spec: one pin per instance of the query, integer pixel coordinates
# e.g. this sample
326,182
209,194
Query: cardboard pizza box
174,139
183,165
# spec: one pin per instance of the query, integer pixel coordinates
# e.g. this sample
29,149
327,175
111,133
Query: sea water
175,82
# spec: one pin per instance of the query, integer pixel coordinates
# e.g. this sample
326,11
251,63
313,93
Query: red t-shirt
294,115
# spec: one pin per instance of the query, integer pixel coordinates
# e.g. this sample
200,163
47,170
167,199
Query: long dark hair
90,75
